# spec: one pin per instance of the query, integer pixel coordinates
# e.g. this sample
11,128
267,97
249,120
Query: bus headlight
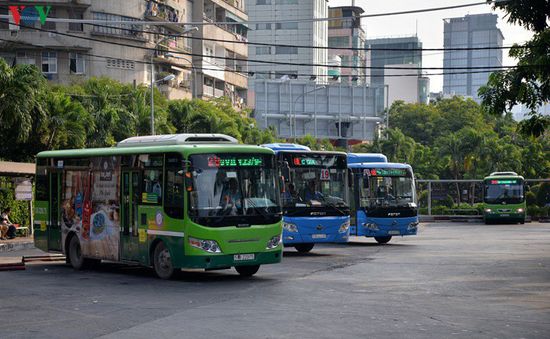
488,210
210,246
371,226
413,226
290,227
344,227
520,210
273,242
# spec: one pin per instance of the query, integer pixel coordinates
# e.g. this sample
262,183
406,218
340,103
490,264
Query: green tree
529,83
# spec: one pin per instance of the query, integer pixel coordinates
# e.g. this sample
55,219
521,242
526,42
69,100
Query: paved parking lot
452,280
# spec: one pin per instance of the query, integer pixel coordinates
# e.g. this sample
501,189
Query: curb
16,246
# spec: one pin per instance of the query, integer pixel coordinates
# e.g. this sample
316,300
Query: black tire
162,262
304,248
383,240
75,254
247,271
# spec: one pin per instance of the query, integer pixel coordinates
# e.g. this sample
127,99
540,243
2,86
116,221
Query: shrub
530,198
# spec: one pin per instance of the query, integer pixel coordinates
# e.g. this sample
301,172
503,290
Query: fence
465,197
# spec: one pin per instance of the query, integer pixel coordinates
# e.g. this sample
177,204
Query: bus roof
366,157
287,147
503,175
379,165
186,149
177,139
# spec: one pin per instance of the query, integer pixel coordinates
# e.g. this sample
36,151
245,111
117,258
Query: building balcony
236,79
162,11
212,92
219,33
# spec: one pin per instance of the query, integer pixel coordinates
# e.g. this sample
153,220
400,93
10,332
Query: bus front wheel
247,271
304,248
162,262
382,240
75,254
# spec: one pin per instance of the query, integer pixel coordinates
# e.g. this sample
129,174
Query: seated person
291,194
311,193
7,228
231,194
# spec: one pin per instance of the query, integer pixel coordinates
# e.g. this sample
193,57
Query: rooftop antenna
416,34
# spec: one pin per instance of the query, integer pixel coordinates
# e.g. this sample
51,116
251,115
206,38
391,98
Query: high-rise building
470,31
347,33
303,32
64,59
392,51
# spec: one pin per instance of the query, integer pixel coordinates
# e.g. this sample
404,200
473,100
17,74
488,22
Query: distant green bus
169,202
504,198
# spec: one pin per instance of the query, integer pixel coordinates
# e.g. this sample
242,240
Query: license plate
394,232
241,257
505,215
319,236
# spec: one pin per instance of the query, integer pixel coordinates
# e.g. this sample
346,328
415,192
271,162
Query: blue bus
314,197
383,198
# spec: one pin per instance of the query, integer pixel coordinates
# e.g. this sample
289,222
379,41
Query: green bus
504,198
168,202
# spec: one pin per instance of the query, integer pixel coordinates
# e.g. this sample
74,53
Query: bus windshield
508,191
316,181
387,188
234,190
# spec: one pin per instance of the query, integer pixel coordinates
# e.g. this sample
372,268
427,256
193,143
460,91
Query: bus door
354,202
129,236
54,225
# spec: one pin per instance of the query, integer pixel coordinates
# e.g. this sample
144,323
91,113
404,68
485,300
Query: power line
248,22
258,72
279,62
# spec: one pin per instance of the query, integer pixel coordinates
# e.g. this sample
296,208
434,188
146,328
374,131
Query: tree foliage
529,83
456,138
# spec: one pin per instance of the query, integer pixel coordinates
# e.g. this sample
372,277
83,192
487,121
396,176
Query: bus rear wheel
304,248
383,240
162,262
247,271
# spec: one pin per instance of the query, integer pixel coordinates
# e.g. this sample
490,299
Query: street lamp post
169,77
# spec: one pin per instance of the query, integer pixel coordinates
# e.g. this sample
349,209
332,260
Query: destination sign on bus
387,172
247,161
505,182
306,161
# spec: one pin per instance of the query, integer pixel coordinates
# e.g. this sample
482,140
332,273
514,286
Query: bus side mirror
282,184
366,182
526,188
189,185
285,171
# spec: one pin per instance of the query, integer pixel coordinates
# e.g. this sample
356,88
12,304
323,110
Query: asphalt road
451,281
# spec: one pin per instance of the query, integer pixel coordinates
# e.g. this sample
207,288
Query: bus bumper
315,230
508,217
230,260
382,227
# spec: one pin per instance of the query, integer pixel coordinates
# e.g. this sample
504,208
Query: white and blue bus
315,196
382,198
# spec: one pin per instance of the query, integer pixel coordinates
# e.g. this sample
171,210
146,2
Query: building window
49,62
263,50
264,26
76,26
263,2
286,50
338,41
77,64
126,30
24,58
50,25
286,2
286,25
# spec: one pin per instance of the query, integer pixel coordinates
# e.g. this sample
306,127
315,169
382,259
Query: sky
430,26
